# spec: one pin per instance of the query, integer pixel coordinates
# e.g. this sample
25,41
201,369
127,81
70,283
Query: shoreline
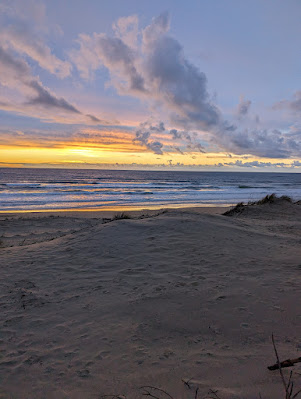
136,211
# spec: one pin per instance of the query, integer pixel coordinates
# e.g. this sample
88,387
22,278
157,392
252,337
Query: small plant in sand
122,215
271,199
237,209
268,199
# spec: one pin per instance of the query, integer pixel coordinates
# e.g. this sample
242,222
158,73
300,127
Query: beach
93,306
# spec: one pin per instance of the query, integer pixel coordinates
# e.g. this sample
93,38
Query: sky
197,85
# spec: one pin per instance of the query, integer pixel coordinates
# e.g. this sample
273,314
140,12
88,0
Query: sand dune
91,307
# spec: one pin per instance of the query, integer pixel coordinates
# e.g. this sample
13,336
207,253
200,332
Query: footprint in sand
85,373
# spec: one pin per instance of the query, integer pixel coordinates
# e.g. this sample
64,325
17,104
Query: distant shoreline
111,211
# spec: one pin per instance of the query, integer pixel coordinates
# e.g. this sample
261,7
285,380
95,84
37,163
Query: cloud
33,96
196,146
189,139
113,53
173,80
159,27
185,140
243,107
15,73
126,29
21,39
179,150
119,58
33,11
259,164
94,119
70,136
156,71
22,35
24,29
143,134
151,65
45,99
259,142
12,66
292,105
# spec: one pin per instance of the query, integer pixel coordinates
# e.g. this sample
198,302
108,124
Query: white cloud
126,29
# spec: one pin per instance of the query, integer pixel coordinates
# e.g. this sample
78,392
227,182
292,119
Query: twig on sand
212,392
186,382
148,391
280,369
288,386
285,363
196,393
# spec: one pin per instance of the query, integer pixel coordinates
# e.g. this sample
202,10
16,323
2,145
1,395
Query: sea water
50,189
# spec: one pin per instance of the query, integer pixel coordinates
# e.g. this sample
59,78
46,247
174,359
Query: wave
54,189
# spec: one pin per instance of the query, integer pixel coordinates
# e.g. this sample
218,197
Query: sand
91,307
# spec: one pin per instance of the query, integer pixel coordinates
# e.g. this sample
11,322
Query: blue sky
168,80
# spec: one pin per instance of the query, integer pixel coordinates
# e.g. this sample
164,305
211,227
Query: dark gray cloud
143,138
179,85
45,99
158,128
190,140
196,146
117,54
16,66
175,134
94,119
16,73
259,164
179,150
243,107
156,147
186,140
143,135
259,142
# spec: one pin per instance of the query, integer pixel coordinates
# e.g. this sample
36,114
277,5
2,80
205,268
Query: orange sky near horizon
75,155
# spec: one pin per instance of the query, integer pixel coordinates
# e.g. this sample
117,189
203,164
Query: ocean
58,189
